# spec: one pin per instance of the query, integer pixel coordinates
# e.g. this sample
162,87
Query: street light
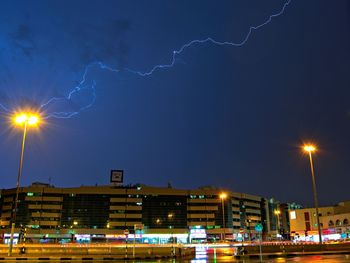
248,220
170,219
310,149
24,119
223,196
277,212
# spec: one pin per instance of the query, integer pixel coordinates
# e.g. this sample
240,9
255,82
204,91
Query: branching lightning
82,86
4,108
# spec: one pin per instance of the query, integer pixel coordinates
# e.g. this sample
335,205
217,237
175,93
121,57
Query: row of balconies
117,207
202,208
44,198
203,201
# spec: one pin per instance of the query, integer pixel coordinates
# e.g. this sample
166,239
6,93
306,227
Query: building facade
334,222
102,212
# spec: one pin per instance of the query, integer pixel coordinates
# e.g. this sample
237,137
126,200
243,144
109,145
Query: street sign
241,230
126,232
258,228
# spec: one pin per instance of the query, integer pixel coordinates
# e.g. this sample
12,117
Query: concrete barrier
119,251
291,250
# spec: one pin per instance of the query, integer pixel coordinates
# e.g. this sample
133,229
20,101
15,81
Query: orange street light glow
223,195
28,118
309,148
21,118
32,120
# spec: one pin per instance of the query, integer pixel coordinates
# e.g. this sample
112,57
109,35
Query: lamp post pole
278,223
17,188
25,120
223,196
310,149
249,232
223,218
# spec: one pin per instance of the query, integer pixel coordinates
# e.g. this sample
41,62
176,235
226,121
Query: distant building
271,220
277,221
246,213
111,212
334,222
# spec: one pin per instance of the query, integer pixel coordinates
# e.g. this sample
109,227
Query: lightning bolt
74,92
4,108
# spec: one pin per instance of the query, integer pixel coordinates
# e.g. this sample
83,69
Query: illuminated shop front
197,235
149,238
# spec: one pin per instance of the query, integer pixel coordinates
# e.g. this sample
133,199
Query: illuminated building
334,222
271,220
246,213
97,213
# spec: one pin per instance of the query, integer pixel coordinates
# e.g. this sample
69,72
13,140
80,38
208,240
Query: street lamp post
249,231
223,196
24,120
310,149
170,220
277,212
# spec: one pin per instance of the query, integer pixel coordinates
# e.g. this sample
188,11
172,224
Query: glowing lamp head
309,148
277,212
33,120
21,118
30,119
223,195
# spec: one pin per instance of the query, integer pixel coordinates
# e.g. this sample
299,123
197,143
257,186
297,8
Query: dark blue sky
227,116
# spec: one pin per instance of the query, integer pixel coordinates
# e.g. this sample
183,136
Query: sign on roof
117,176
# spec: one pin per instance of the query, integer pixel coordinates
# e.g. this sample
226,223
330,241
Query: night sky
226,116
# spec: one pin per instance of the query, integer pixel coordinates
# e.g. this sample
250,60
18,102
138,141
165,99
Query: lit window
293,215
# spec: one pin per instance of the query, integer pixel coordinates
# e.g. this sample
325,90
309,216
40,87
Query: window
293,215
307,226
338,222
307,216
330,223
345,222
